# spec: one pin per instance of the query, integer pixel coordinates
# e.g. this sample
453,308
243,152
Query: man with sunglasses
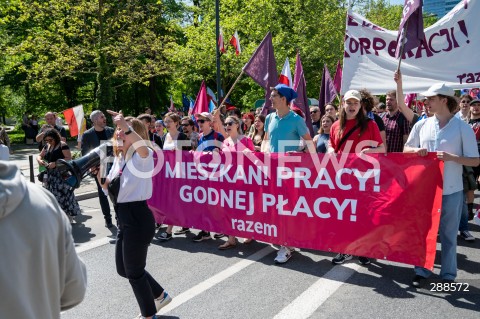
315,115
208,141
188,128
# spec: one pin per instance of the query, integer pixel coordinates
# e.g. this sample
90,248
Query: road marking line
80,248
312,298
212,281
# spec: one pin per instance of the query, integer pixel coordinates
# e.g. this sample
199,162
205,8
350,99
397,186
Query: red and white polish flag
235,41
74,118
221,42
286,76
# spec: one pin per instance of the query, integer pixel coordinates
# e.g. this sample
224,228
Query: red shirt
371,134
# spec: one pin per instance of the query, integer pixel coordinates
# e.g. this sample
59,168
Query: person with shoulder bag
51,178
129,185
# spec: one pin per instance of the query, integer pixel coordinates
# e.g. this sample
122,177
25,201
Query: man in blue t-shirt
284,130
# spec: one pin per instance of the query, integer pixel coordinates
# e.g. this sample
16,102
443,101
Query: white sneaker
162,302
283,255
159,303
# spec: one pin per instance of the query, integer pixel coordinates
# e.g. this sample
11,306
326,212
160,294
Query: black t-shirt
102,135
379,121
56,153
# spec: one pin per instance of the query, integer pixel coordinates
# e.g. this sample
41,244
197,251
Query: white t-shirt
456,137
136,180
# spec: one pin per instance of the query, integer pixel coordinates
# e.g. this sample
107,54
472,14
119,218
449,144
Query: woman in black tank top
54,150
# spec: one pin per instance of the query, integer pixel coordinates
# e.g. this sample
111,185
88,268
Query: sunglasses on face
313,112
184,124
229,123
201,121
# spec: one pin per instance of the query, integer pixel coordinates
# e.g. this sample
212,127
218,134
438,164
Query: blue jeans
464,218
449,221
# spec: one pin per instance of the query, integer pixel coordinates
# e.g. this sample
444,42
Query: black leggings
136,230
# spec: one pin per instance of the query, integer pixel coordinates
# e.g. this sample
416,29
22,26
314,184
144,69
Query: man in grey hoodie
40,272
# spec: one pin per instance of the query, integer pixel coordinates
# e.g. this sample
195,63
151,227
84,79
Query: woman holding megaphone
130,186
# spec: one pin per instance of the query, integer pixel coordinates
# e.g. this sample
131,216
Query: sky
397,2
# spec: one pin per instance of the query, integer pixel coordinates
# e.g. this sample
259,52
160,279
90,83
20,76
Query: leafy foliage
134,54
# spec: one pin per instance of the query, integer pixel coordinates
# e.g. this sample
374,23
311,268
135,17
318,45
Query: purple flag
327,90
337,79
411,26
262,68
300,86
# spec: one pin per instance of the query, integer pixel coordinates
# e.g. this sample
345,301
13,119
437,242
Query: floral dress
56,184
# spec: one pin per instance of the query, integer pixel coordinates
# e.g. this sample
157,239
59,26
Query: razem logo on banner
448,54
379,206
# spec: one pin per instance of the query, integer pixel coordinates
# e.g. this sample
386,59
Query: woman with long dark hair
53,150
258,132
321,139
354,132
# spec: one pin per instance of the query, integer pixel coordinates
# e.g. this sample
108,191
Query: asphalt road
245,283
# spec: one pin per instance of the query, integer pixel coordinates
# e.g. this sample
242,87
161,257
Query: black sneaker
418,281
164,236
364,260
108,223
218,236
465,235
182,231
341,258
202,235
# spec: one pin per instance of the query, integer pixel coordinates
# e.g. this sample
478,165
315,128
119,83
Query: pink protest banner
379,206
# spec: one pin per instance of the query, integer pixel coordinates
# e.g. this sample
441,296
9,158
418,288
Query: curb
85,196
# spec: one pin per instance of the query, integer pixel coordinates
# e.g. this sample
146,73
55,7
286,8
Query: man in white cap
454,142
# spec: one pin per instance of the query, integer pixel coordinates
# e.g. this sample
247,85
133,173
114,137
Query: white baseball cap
439,89
352,94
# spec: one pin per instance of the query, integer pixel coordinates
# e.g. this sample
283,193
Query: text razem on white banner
449,54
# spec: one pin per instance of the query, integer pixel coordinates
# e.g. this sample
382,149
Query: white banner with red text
449,54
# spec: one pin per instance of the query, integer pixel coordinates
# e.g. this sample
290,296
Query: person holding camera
50,118
51,178
129,185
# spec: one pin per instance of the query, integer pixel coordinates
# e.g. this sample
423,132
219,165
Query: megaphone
75,170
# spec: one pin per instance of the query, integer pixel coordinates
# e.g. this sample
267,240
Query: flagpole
217,33
402,46
230,91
